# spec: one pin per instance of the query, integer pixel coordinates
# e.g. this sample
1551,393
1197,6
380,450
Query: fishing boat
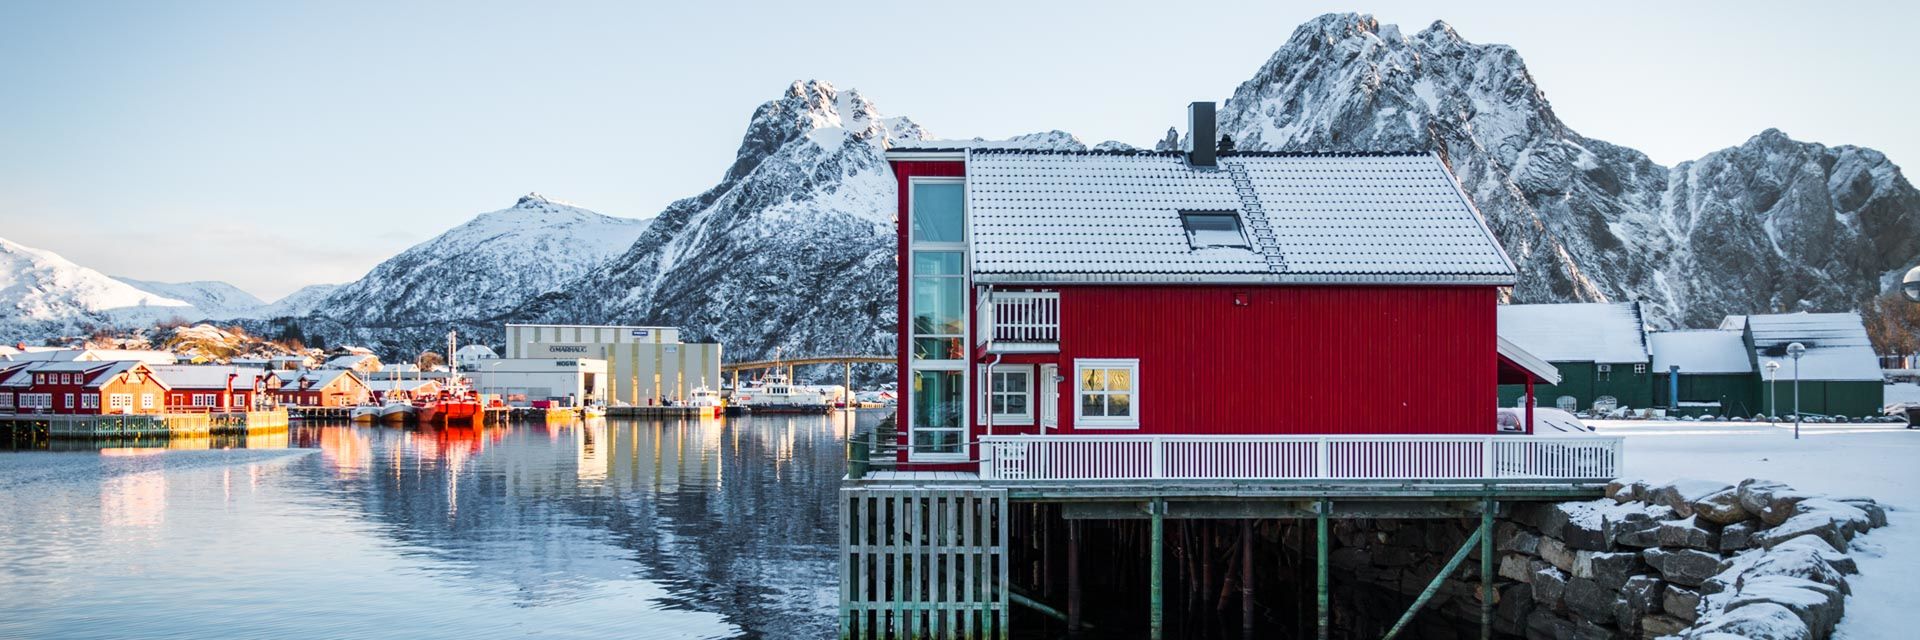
705,402
457,403
777,395
396,412
365,413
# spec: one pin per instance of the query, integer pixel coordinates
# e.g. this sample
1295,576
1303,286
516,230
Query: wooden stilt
1073,576
1434,586
1320,550
1157,538
1246,578
1486,570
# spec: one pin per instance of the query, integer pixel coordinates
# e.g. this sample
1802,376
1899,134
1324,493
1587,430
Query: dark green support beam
1156,616
1482,533
1486,570
1320,552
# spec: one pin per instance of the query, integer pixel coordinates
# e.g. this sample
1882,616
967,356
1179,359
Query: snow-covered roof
190,376
96,373
1606,332
350,361
1837,345
1524,359
141,355
1700,351
1053,216
476,351
290,379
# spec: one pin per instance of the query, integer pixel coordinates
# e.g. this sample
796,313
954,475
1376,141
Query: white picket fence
1377,457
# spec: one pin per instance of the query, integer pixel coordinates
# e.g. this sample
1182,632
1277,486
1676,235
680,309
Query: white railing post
1158,467
1325,450
1486,458
988,457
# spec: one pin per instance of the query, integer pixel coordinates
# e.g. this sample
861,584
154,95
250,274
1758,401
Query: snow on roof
191,376
476,350
1837,345
147,356
289,379
1513,353
349,361
1073,216
1606,332
96,372
1701,351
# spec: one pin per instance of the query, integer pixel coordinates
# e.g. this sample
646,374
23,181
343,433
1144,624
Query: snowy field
1880,461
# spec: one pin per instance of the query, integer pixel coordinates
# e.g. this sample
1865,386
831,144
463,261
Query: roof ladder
1264,239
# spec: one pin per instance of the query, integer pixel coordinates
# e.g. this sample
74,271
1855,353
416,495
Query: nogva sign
565,350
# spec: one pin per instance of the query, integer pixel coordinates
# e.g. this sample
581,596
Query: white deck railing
1382,457
1024,316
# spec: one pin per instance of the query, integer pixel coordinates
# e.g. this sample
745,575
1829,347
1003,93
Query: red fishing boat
456,404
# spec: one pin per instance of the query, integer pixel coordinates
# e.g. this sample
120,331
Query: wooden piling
1073,576
1156,618
1320,552
1246,578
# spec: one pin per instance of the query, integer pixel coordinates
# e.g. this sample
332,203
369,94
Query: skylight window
1214,229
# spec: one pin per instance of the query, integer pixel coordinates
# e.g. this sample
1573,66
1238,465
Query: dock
165,425
1045,524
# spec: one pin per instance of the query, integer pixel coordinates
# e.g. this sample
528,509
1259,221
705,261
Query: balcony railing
1023,320
1470,458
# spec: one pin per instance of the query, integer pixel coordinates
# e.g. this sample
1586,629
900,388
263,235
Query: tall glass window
937,298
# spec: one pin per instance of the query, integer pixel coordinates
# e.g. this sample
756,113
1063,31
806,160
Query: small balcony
1022,321
1373,458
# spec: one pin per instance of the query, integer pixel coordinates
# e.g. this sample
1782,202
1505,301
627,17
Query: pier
116,426
1168,532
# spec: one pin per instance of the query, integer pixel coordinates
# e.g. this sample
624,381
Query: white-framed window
1007,393
937,323
6,400
1640,368
146,401
1603,372
1106,394
66,401
89,401
120,401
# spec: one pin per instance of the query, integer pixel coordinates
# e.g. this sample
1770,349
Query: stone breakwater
1691,559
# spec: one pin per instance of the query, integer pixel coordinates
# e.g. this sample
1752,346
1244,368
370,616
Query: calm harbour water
611,529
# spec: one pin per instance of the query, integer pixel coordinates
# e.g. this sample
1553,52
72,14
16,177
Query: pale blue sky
279,144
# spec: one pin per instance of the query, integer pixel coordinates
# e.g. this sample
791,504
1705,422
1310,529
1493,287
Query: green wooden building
1714,371
1839,375
1599,348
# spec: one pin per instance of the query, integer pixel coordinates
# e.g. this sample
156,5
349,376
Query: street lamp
1796,350
1773,390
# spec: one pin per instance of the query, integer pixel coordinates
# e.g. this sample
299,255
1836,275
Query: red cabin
1132,294
82,388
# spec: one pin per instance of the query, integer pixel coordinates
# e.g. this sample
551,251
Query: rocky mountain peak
532,200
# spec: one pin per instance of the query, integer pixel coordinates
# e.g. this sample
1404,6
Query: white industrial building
522,381
645,365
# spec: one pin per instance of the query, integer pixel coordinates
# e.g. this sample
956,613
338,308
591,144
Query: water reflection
623,528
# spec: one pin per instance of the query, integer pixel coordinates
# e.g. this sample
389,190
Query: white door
1049,396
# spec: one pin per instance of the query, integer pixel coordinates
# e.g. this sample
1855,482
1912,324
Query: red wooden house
82,388
217,388
321,388
1135,294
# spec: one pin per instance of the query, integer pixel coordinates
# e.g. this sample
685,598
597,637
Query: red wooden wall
1295,360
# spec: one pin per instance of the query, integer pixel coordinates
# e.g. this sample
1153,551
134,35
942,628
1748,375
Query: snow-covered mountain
211,299
43,294
1773,224
792,249
299,303
484,267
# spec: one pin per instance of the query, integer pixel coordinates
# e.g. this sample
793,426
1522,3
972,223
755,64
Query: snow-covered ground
1880,461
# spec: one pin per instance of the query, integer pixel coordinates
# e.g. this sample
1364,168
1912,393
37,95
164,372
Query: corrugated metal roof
1383,218
1605,332
1837,345
1700,351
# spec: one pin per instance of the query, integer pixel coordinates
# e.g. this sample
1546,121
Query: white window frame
987,393
1640,368
966,323
6,399
89,401
66,401
146,401
120,401
1130,421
